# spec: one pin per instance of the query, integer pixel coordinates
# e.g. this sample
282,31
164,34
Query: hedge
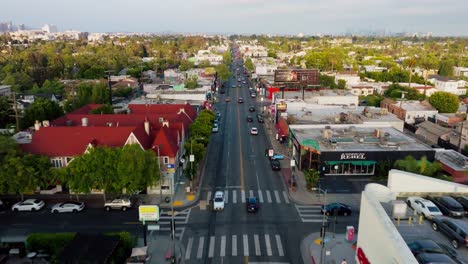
52,244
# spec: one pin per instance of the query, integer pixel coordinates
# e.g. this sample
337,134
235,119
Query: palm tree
410,63
428,62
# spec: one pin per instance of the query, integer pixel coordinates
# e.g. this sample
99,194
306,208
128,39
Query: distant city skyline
440,17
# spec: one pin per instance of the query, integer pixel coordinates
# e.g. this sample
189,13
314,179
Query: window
166,160
57,163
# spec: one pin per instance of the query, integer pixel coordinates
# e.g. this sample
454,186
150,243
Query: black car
336,209
222,91
429,258
275,164
252,204
455,230
463,200
260,120
429,246
252,109
240,100
448,206
249,119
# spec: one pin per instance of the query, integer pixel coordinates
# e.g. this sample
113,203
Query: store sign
353,156
281,107
148,212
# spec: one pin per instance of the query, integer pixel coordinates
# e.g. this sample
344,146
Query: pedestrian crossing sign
148,213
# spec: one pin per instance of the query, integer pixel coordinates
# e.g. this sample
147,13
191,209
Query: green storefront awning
354,162
310,143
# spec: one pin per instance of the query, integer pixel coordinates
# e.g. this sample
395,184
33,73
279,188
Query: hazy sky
442,17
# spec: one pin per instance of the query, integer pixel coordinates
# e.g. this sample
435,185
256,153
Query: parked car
215,128
252,108
233,86
218,203
2,205
253,95
240,100
249,119
463,200
28,205
448,206
336,208
455,230
119,204
434,258
260,120
275,165
429,246
253,131
277,156
68,207
424,207
252,204
227,99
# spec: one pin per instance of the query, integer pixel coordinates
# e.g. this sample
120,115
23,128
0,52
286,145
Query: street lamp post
192,159
160,175
322,230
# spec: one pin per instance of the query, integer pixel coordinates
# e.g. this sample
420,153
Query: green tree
53,86
428,62
6,112
312,177
204,64
40,110
341,84
249,64
186,65
102,110
223,72
327,81
444,102
446,67
395,91
422,166
191,83
122,92
227,57
372,99
272,54
410,63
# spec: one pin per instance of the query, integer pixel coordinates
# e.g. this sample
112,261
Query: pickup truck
119,204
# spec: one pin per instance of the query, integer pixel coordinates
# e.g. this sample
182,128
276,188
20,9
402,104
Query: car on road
423,207
218,201
244,82
233,86
253,95
28,205
253,131
240,100
275,165
227,99
239,86
249,119
277,156
252,108
215,128
260,119
448,206
222,91
252,204
68,207
118,204
434,258
430,246
336,208
455,230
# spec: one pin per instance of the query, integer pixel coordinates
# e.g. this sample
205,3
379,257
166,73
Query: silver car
68,207
28,205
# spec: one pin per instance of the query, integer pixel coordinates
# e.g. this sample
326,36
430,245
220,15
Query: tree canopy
40,110
444,102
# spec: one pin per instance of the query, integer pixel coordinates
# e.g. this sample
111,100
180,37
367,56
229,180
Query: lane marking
234,196
277,197
258,252
268,245
243,196
279,245
268,196
240,145
260,196
234,245
208,197
226,196
211,249
246,245
251,194
189,248
222,252
201,243
286,198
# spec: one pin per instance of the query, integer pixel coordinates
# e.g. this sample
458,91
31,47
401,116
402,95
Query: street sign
148,212
170,166
271,152
153,227
192,158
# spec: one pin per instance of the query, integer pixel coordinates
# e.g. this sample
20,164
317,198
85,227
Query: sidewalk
336,248
159,246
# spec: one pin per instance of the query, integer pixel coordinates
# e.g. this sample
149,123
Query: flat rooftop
452,158
358,138
412,231
415,106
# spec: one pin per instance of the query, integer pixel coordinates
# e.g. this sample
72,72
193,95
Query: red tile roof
166,141
162,109
73,141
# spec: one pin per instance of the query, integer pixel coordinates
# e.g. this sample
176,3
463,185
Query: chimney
166,123
45,123
37,125
84,121
147,127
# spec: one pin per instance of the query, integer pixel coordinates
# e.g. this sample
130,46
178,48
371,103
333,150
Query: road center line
240,145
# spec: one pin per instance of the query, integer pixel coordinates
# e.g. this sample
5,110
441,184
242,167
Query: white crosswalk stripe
208,197
234,196
181,218
251,193
260,196
286,198
268,196
278,200
309,213
270,242
226,196
264,196
243,196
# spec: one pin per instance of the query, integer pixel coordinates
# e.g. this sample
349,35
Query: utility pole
15,109
109,86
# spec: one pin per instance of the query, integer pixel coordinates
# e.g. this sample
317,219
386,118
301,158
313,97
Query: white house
206,55
460,71
450,85
361,90
351,78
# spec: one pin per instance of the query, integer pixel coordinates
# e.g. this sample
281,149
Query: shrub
52,244
124,249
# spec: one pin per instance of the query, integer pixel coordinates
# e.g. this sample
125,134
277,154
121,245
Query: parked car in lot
455,230
434,258
336,208
429,246
463,200
275,165
68,207
28,205
423,207
118,204
218,201
252,204
253,131
448,206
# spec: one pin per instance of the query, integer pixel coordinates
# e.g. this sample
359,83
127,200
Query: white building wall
411,115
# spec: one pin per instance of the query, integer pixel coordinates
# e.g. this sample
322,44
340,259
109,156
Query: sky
310,17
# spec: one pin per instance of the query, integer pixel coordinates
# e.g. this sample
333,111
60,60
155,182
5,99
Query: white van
218,202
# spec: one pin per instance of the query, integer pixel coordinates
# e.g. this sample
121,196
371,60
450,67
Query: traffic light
266,152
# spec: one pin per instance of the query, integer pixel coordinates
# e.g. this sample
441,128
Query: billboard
299,76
